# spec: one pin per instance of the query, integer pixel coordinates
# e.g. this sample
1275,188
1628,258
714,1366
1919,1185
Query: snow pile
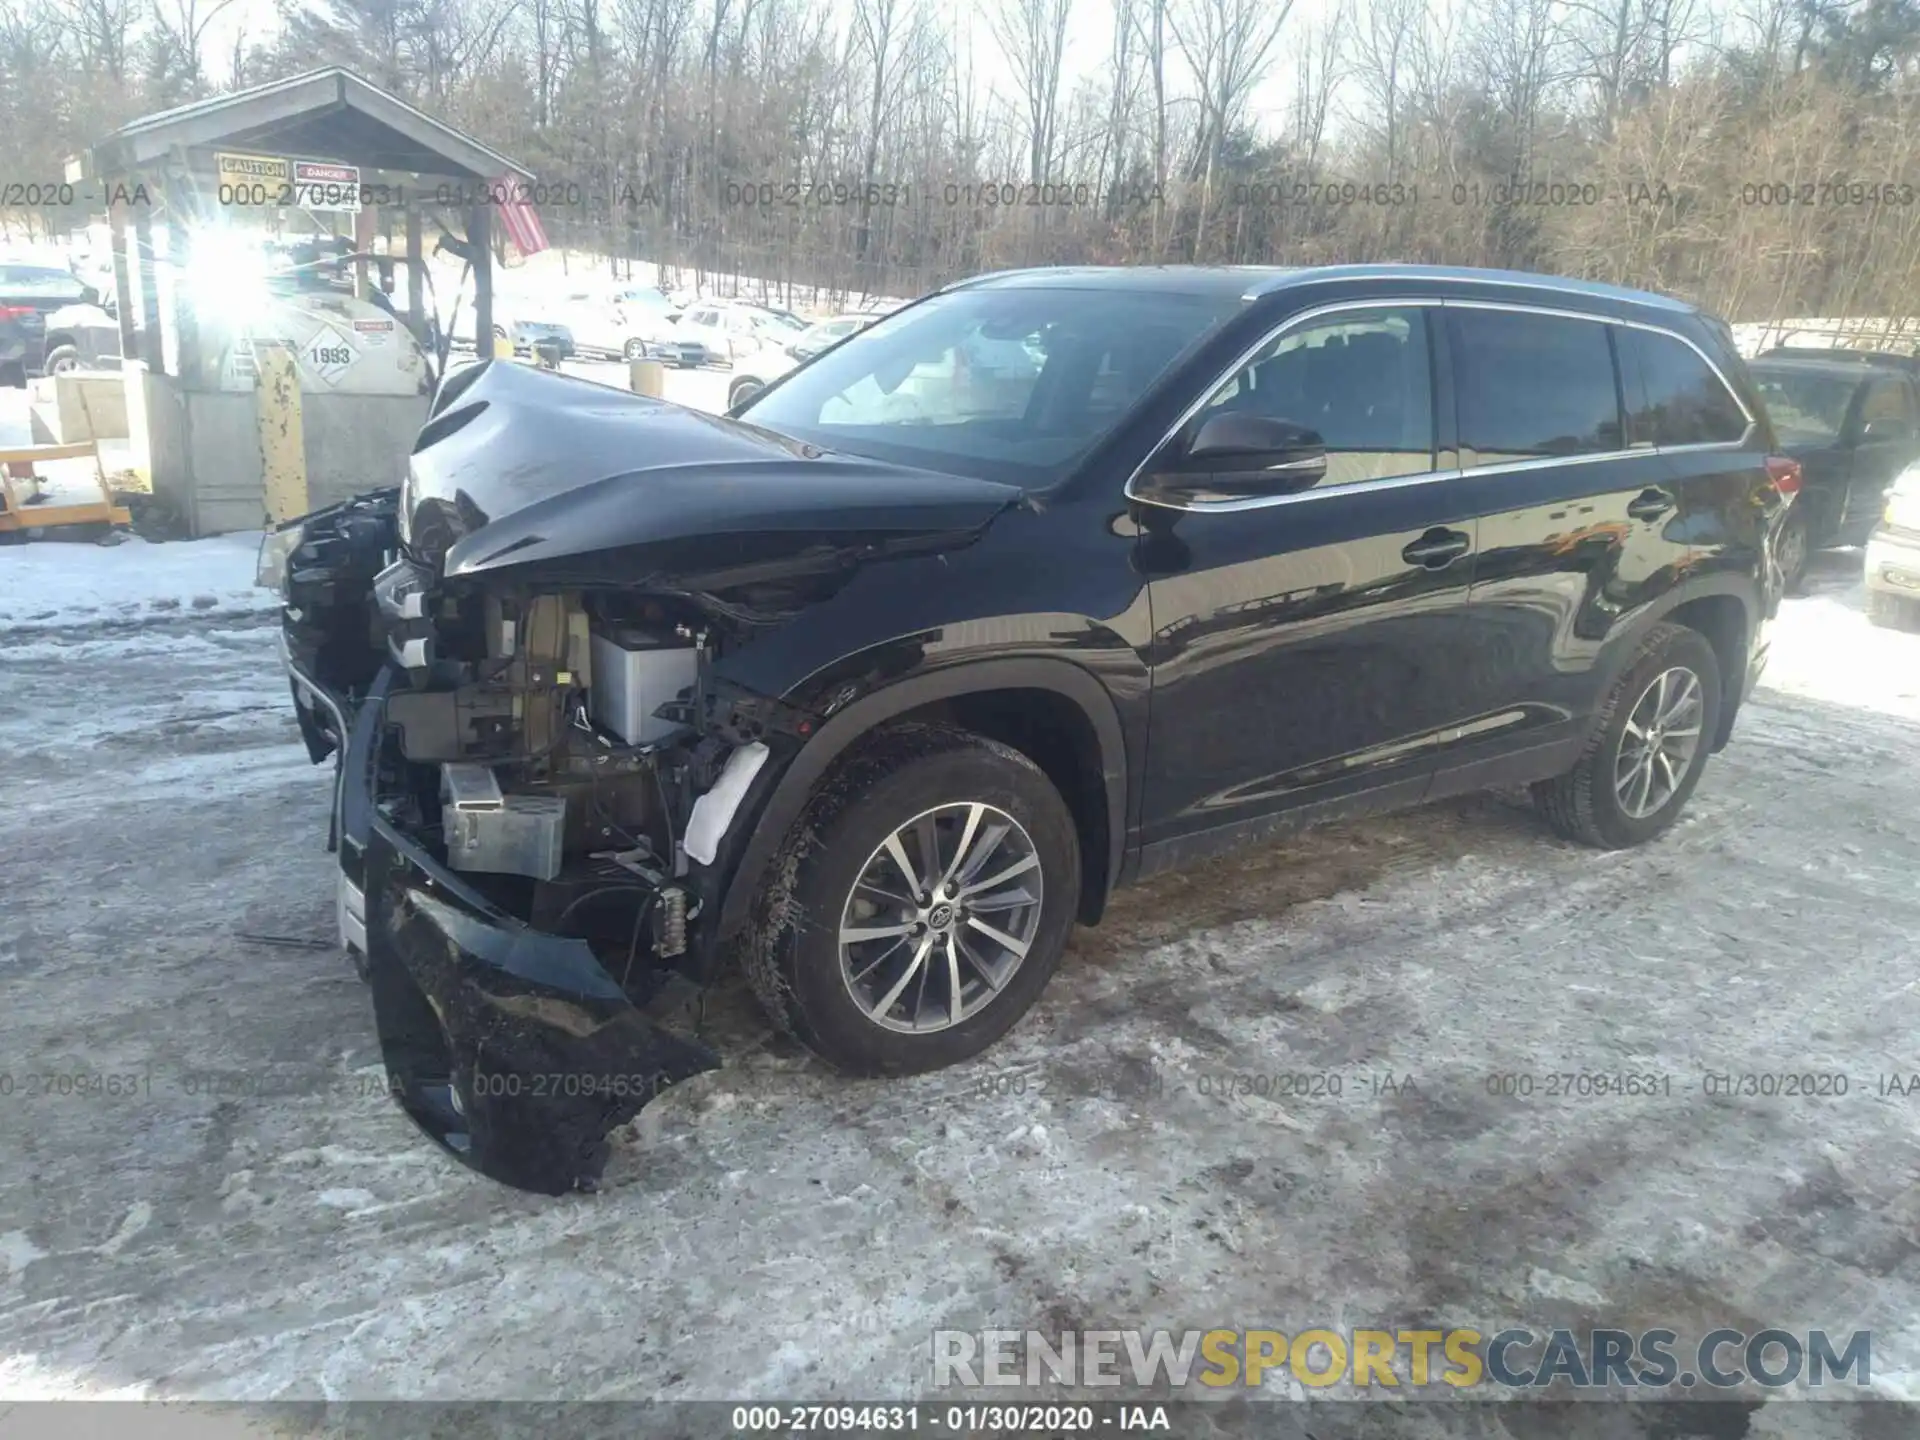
53,584
1824,648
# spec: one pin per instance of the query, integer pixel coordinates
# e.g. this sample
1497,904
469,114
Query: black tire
1793,549
1583,804
13,376
634,350
792,954
1893,612
741,392
62,358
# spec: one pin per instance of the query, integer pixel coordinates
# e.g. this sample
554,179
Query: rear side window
1685,402
1533,386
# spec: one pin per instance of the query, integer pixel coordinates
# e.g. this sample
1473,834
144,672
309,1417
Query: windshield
1808,406
36,282
1013,384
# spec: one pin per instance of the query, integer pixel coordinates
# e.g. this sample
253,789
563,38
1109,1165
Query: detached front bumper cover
513,1049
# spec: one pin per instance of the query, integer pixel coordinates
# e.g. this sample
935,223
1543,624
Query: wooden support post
480,246
416,277
283,445
122,277
151,349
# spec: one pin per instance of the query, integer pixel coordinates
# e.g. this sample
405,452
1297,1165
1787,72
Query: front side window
1360,380
1533,386
1012,384
1686,403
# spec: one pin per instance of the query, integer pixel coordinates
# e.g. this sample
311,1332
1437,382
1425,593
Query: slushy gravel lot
238,1213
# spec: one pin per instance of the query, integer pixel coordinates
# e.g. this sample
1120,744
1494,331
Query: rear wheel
1791,550
1651,745
920,906
743,391
634,350
62,358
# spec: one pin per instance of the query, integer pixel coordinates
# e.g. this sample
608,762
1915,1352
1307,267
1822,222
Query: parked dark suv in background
28,295
1852,420
884,683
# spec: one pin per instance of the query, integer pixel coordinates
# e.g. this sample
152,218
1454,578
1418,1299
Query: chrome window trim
1261,502
1297,275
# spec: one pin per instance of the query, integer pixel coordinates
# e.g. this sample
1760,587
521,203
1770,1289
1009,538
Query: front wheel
62,359
743,391
1651,745
634,350
919,906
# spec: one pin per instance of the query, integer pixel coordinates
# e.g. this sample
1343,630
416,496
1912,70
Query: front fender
778,800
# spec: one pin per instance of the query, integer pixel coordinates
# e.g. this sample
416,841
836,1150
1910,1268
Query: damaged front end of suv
527,664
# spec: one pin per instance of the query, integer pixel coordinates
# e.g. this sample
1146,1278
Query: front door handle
1650,504
1437,549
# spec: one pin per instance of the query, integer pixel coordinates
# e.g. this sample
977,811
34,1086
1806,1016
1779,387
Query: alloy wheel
1661,738
1793,552
943,913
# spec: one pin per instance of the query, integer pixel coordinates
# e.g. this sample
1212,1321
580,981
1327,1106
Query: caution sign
253,180
319,185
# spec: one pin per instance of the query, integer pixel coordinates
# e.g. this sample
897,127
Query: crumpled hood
563,479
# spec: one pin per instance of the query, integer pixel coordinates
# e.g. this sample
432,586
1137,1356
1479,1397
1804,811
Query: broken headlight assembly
276,548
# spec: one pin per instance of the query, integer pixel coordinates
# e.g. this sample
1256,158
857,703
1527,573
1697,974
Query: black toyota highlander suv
884,682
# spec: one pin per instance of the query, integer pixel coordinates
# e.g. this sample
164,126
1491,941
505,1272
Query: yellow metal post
646,377
283,446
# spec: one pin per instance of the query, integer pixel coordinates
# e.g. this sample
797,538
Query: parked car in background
82,337
882,694
755,372
13,352
728,331
29,293
630,323
1853,424
815,338
1893,556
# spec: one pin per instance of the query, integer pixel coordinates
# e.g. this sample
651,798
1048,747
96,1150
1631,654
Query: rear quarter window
1683,401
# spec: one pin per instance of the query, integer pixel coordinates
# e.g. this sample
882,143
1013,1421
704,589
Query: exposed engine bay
535,667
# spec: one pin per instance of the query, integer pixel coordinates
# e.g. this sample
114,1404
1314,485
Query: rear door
1711,448
1579,528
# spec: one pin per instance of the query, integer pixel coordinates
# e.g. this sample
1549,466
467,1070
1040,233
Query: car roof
1841,354
1256,281
1815,365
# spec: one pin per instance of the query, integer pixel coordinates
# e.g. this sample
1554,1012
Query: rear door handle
1650,504
1437,549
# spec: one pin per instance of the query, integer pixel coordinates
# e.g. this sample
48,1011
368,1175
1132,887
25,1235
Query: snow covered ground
57,584
246,1218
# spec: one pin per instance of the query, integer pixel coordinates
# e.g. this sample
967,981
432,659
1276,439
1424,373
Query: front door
1307,645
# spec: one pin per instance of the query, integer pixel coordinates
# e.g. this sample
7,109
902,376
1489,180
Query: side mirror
1237,454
